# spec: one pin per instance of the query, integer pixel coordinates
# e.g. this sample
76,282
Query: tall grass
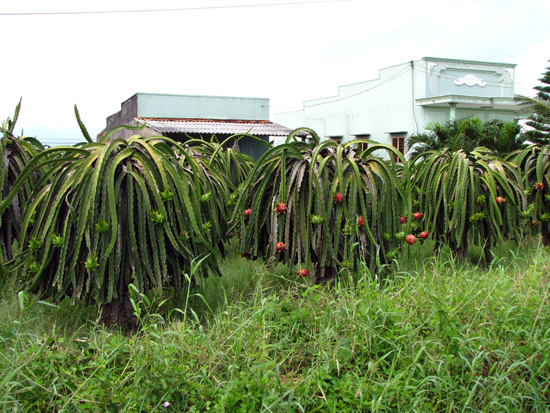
430,334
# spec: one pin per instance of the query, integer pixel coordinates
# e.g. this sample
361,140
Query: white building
406,97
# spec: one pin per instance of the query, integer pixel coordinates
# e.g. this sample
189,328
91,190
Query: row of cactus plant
109,213
321,206
86,221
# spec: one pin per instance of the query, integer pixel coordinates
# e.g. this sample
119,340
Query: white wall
389,104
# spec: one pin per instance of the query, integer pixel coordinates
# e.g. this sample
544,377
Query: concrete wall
376,108
152,105
389,104
148,105
128,111
204,107
467,78
441,114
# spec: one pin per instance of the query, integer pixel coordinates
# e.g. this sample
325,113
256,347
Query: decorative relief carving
470,80
511,73
431,65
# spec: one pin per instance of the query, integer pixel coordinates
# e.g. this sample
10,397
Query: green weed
432,334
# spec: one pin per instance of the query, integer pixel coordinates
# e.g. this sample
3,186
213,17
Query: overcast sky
277,49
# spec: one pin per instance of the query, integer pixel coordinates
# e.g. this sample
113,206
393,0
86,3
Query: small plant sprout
102,226
166,195
232,199
33,218
33,267
348,229
57,240
157,217
316,219
392,254
184,236
478,216
35,244
528,212
206,197
91,262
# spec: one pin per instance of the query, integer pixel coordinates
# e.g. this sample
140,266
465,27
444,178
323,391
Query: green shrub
114,213
15,154
534,163
330,206
458,194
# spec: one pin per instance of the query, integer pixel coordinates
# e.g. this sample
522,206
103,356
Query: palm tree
496,135
443,135
502,138
539,107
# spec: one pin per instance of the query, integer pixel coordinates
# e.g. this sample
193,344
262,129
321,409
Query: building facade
406,97
184,117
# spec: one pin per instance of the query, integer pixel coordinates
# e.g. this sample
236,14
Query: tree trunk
488,254
460,251
119,313
545,234
437,247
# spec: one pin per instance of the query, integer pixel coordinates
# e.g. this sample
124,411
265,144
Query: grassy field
430,334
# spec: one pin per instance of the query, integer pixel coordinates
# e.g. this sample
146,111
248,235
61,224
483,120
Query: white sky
287,53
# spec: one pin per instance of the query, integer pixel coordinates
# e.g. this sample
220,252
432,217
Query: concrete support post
452,111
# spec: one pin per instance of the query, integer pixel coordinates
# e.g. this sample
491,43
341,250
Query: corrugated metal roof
216,126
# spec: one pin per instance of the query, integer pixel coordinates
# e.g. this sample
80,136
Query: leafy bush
232,166
114,213
218,173
319,206
534,163
466,196
467,135
15,154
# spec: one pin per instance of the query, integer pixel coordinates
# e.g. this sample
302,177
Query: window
247,148
398,142
362,146
337,139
